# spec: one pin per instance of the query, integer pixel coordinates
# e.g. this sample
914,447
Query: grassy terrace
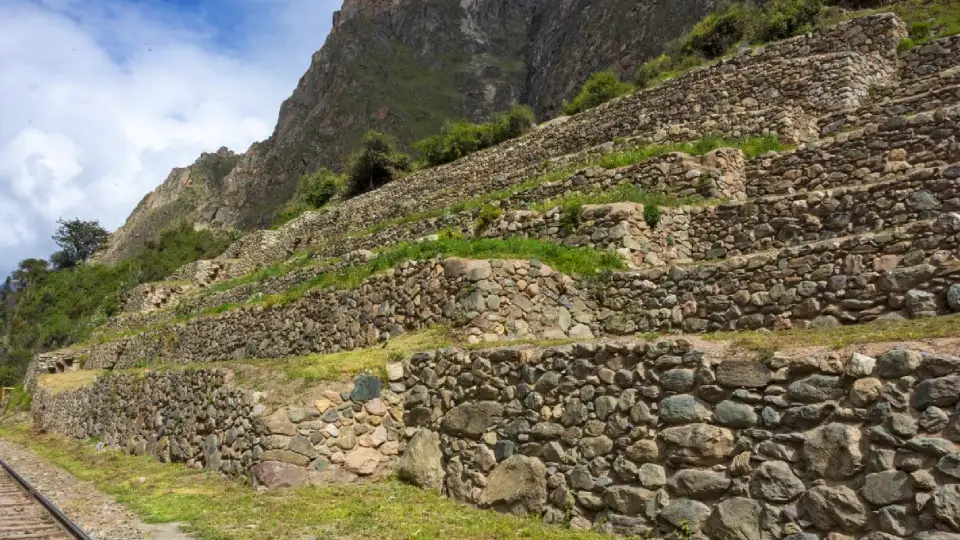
343,366
875,332
217,508
581,261
572,261
752,147
622,193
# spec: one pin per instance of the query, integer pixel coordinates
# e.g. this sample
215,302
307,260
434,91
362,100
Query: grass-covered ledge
946,326
580,261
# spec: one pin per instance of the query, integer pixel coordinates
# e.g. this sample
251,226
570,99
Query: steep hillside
405,66
189,194
574,38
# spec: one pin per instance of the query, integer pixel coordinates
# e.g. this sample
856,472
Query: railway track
27,514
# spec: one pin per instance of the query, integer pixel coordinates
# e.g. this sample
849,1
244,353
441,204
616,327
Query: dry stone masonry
203,419
640,438
488,299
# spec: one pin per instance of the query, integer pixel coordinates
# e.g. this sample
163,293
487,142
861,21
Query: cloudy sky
99,99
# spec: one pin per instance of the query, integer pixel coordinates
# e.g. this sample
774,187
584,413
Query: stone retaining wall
927,59
899,273
824,82
488,300
203,419
728,230
905,99
803,77
646,439
862,156
904,272
718,174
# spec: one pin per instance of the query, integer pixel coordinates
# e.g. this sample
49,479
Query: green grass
622,193
842,336
568,260
216,508
751,147
343,366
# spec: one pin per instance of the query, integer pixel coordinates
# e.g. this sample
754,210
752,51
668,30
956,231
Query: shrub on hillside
664,67
716,33
599,88
781,19
458,139
377,163
157,259
719,32
313,191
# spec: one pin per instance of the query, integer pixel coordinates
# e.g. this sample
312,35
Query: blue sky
102,98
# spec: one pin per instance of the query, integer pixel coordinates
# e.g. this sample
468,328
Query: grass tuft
751,147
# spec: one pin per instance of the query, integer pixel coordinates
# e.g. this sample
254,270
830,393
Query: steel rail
68,526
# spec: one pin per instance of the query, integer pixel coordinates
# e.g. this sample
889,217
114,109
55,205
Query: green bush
486,215
719,32
457,139
665,66
313,191
651,215
318,188
599,88
156,260
716,33
906,44
781,19
570,216
377,163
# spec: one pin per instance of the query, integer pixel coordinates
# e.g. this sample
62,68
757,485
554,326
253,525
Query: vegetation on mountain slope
43,308
376,163
599,88
457,139
78,240
314,191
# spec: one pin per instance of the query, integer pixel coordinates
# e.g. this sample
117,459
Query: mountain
403,67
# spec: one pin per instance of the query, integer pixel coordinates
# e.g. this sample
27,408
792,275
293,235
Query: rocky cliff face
403,67
191,193
571,39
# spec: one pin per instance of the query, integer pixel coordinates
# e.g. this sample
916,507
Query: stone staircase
859,223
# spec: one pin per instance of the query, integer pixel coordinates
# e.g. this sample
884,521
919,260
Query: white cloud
99,100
